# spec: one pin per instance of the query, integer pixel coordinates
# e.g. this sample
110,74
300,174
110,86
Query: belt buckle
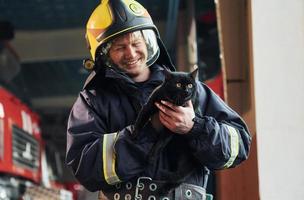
139,186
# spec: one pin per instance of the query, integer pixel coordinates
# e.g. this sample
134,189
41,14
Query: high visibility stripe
234,146
108,157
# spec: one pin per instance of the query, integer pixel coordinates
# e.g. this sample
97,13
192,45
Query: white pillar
278,42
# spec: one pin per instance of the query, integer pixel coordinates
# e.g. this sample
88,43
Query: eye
137,44
118,49
178,85
189,85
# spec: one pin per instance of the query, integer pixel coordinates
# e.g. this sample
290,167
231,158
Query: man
128,56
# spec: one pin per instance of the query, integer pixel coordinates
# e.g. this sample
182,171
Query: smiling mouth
132,62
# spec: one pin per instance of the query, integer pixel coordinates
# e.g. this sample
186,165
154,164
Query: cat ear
194,73
167,72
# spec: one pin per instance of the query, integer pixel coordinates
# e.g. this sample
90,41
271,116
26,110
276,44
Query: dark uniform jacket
101,152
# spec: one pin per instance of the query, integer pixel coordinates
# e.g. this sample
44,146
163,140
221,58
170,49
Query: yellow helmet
112,18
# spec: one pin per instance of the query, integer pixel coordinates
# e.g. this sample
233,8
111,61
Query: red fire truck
20,149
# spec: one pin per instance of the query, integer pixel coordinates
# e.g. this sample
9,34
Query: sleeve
219,138
99,159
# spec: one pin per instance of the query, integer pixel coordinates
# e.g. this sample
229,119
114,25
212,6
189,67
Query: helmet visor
152,46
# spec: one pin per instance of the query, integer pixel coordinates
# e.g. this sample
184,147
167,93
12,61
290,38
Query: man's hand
177,119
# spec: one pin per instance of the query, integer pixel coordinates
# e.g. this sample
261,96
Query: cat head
193,74
180,86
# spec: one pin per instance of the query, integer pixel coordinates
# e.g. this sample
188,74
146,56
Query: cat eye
178,85
189,85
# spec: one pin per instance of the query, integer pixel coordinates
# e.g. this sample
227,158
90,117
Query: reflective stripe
26,122
1,110
108,157
234,146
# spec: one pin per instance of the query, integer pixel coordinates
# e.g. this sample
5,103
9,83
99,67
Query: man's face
129,53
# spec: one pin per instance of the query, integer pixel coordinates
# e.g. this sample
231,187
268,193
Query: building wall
234,24
278,52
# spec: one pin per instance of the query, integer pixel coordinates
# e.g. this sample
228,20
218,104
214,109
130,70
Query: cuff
197,129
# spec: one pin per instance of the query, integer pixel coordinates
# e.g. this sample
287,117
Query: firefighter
127,64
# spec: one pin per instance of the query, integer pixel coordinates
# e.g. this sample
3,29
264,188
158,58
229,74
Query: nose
130,52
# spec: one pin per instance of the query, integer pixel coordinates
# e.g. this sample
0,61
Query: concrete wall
278,51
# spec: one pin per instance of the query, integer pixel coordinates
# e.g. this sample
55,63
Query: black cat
177,88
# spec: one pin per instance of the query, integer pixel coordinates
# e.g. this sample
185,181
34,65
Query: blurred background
249,52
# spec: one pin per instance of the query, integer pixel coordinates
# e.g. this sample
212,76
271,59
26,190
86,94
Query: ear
167,72
194,73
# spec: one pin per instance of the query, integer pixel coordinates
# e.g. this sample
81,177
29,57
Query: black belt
144,188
